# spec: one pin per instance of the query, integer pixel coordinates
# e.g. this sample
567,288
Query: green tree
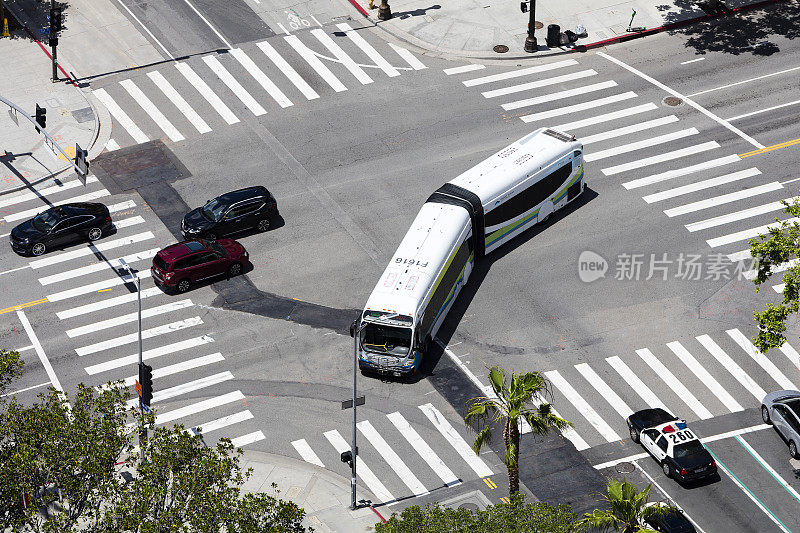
10,368
628,509
514,400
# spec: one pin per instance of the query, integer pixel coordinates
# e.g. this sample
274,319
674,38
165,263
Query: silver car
782,410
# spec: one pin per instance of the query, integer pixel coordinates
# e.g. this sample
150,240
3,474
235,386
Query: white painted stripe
133,337
779,288
183,106
28,213
559,95
392,459
683,152
199,407
105,304
578,107
607,117
428,455
150,108
40,193
130,317
512,73
705,377
685,171
37,346
605,391
636,384
582,406
738,256
130,360
183,388
206,92
782,267
746,234
730,365
368,49
539,83
340,54
287,70
700,185
98,267
235,87
410,58
644,143
674,383
121,116
569,433
127,222
219,423
773,108
625,130
260,77
692,61
121,206
314,62
94,287
90,249
723,199
177,368
791,353
307,453
728,86
463,69
456,441
762,359
363,470
112,145
736,215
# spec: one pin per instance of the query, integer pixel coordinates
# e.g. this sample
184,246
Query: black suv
59,226
250,208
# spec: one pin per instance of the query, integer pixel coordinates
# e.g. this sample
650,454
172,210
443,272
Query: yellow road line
770,148
103,290
23,306
489,483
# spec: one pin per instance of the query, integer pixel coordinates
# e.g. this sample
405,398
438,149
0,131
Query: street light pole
139,316
530,40
53,40
356,338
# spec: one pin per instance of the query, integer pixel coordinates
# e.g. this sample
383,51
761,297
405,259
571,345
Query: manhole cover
501,49
625,467
469,506
537,25
672,101
83,115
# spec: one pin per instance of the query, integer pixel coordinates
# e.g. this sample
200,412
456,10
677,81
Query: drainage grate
672,101
500,49
625,467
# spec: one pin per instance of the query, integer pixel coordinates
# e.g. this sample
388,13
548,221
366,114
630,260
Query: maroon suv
181,265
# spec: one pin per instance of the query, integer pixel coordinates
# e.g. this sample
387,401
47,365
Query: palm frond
481,437
497,379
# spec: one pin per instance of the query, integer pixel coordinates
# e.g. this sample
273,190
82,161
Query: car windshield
690,448
45,221
386,339
213,209
217,247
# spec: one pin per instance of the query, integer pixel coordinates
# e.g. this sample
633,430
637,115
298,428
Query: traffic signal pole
53,39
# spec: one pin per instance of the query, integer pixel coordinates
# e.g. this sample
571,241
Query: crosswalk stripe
105,304
260,77
730,365
582,406
121,116
199,407
364,472
94,287
683,171
235,87
342,56
112,145
739,256
669,156
150,108
133,337
177,368
128,222
637,145
112,264
288,70
674,383
723,199
314,62
39,193
700,185
568,432
463,69
205,91
428,455
368,49
791,354
578,107
127,204
392,459
250,438
779,288
152,353
183,106
559,95
28,213
130,317
636,384
183,388
410,58
455,440
90,249
599,119
510,74
219,423
736,215
605,391
746,234
307,453
762,359
705,377
539,83
626,130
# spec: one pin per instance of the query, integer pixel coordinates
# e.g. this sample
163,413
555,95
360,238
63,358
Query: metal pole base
531,45
384,11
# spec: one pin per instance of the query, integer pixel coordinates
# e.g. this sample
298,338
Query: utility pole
145,373
55,27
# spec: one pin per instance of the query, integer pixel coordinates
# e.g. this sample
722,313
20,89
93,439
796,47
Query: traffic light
347,457
55,19
41,117
146,380
80,159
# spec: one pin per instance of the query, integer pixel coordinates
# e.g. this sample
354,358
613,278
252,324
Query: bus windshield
385,339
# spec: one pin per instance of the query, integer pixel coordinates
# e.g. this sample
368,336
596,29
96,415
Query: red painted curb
50,56
375,510
363,12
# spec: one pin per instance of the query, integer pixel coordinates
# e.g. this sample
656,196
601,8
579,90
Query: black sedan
60,226
232,212
672,521
647,418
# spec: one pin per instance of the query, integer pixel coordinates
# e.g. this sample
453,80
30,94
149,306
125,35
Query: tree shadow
26,22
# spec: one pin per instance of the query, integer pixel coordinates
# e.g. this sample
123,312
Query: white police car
669,440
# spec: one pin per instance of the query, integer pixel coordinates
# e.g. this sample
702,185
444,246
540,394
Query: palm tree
628,512
514,400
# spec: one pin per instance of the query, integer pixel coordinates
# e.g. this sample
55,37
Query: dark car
672,521
178,267
59,226
242,210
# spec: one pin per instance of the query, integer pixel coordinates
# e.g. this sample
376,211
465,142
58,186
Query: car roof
181,249
673,426
649,418
243,194
78,208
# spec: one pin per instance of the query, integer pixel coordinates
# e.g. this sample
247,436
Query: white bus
489,204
